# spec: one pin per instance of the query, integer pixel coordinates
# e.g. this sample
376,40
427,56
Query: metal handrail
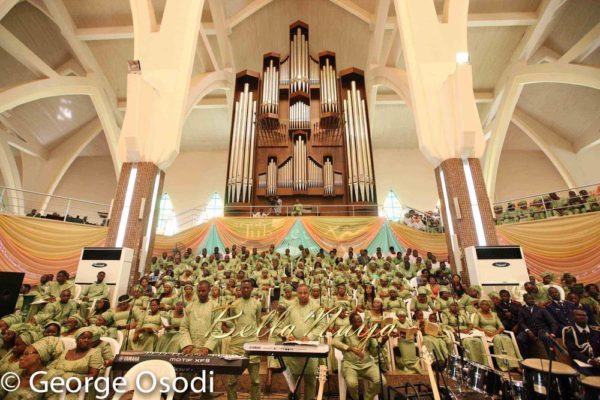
52,196
545,193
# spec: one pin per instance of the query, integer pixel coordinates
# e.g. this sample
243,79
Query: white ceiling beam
122,32
13,46
590,138
11,177
218,15
81,50
552,144
584,47
534,37
204,104
355,10
208,48
6,6
544,55
70,67
485,20
481,97
246,12
23,141
67,86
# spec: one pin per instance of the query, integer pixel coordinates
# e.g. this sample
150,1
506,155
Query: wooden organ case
301,131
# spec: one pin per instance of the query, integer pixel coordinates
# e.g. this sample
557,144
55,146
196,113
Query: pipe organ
300,130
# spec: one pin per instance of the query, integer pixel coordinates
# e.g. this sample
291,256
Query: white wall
524,173
194,177
88,178
408,173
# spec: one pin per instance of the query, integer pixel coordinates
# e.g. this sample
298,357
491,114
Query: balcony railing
60,208
579,200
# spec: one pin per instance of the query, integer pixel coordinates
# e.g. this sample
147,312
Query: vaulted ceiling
33,46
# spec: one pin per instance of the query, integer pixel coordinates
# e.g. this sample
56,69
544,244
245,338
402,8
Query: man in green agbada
304,324
199,333
245,330
359,361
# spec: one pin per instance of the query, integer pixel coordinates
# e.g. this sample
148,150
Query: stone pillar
458,208
130,225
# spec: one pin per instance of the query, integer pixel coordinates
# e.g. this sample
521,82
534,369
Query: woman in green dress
187,295
489,323
146,334
288,297
81,362
35,358
168,297
170,340
10,362
394,304
405,354
422,302
125,317
72,325
139,300
458,322
435,340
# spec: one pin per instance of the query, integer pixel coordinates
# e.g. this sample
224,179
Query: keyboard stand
294,391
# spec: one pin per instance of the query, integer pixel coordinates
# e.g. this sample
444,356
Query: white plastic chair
158,368
69,343
78,289
342,388
115,347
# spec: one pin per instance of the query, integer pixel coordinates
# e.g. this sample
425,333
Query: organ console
300,130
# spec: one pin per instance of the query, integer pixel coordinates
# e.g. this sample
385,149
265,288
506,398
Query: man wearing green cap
248,312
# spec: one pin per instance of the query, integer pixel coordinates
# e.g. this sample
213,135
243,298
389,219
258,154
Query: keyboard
220,364
286,349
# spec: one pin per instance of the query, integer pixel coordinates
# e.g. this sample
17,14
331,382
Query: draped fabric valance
37,246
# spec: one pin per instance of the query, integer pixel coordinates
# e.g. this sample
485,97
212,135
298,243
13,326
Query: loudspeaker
10,286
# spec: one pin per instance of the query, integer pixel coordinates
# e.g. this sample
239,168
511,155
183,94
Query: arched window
167,223
392,209
214,209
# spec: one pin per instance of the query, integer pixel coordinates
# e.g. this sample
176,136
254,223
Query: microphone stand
379,345
126,336
460,354
507,364
551,352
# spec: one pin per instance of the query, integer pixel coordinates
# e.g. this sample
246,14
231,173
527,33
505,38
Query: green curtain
297,236
385,239
211,241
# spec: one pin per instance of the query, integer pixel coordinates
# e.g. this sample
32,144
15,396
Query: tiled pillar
143,190
463,221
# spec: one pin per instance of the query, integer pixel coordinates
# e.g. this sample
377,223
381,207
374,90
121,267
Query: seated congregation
74,331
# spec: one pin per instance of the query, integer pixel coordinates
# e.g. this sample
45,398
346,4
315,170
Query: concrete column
448,127
466,209
134,213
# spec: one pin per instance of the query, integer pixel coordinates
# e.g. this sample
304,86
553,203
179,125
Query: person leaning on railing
591,201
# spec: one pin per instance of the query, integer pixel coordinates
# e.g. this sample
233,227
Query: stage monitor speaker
10,286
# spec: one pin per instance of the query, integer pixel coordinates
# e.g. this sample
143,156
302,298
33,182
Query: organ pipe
272,177
299,62
241,156
358,151
270,90
314,72
328,88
